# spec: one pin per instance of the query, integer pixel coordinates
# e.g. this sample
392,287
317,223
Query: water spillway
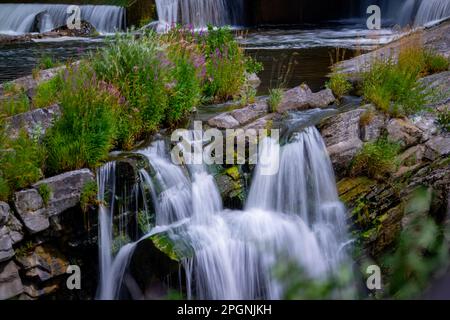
26,18
200,13
293,215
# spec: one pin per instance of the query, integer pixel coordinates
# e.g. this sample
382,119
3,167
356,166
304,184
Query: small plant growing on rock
366,118
45,192
47,93
443,118
339,84
376,159
275,98
88,195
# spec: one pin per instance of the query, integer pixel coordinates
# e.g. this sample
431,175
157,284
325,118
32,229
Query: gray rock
341,127
30,207
65,194
35,122
437,147
4,213
15,229
426,123
65,189
439,83
6,250
342,154
262,123
341,134
250,113
322,99
253,80
372,130
223,121
403,132
10,282
296,99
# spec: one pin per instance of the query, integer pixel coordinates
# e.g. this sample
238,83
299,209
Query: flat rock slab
65,194
436,38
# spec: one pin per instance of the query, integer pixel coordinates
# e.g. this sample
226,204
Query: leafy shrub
225,64
376,159
21,163
86,131
186,91
275,98
88,195
47,93
134,66
45,192
339,84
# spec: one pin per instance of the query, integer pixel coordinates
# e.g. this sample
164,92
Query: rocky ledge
41,235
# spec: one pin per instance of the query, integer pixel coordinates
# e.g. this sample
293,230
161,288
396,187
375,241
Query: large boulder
341,134
437,147
439,82
10,282
65,194
404,132
33,122
302,98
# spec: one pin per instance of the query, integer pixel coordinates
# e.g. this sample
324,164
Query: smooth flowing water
199,13
292,216
25,18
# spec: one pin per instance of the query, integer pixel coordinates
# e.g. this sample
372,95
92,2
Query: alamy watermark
234,146
374,20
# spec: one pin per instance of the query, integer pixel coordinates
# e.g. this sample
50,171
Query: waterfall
200,13
26,18
432,11
292,216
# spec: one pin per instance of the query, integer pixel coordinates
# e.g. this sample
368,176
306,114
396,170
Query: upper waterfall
26,18
200,13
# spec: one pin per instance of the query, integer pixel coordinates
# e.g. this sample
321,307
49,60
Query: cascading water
294,215
25,18
410,12
200,13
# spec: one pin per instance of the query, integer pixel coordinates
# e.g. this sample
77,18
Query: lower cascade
25,18
292,216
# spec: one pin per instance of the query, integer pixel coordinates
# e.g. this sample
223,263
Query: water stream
294,215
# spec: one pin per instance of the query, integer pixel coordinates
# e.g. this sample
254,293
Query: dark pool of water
18,60
291,67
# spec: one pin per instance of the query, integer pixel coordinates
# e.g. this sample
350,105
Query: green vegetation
118,96
443,118
45,192
47,62
47,93
21,163
420,251
376,159
393,87
88,195
86,131
275,98
339,84
11,105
